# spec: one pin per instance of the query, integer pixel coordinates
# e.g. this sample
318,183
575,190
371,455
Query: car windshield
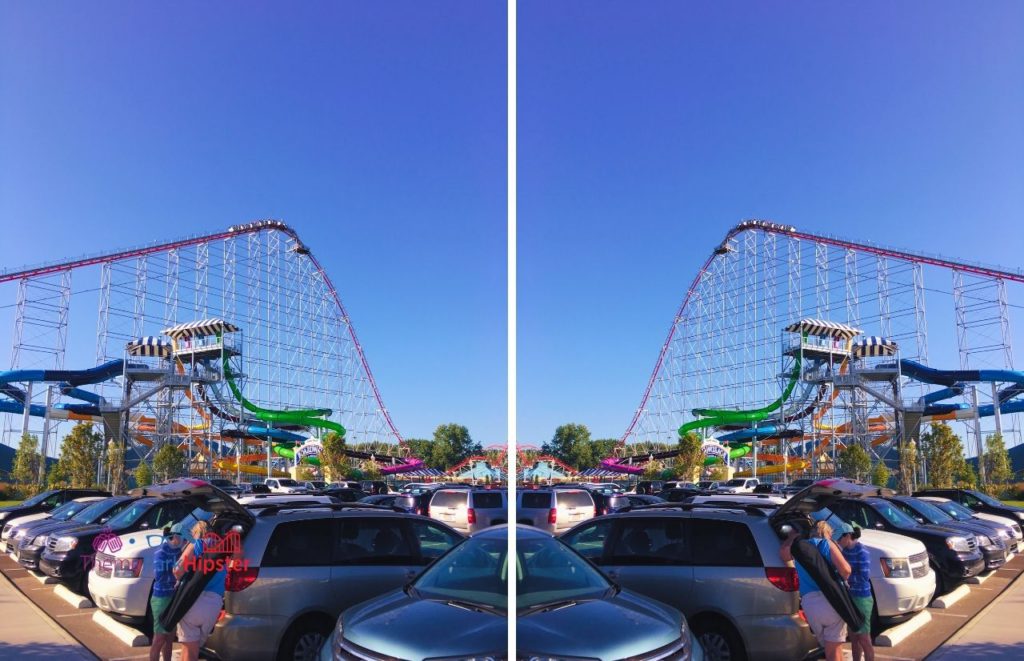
130,514
66,511
319,485
735,483
549,572
704,485
94,511
955,510
288,483
894,515
931,512
38,498
475,572
987,499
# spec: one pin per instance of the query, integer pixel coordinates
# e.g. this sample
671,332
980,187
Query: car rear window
540,501
300,544
575,499
485,500
648,540
723,544
449,499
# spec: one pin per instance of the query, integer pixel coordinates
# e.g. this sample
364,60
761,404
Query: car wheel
304,640
719,640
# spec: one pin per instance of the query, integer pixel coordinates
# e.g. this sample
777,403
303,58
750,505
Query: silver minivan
554,510
470,510
303,567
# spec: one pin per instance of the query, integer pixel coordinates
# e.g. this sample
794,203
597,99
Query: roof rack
757,510
271,509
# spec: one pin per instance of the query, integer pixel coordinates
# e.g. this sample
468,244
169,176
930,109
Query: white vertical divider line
511,314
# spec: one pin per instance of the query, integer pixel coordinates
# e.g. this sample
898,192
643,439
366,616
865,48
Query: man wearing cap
857,557
163,590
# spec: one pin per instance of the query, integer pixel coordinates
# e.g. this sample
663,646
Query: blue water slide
18,408
952,378
764,431
67,378
12,391
945,393
280,434
78,393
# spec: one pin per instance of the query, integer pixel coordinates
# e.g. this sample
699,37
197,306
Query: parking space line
939,612
74,614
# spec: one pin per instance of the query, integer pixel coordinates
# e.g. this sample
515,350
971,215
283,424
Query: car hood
822,494
45,527
400,626
199,494
623,626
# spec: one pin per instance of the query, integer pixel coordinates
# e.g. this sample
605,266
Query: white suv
283,485
738,485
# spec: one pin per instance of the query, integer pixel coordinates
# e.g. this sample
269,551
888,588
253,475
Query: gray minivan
469,510
554,510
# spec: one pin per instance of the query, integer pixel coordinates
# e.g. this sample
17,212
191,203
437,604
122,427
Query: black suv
68,554
649,487
977,501
32,543
994,546
954,556
46,501
374,487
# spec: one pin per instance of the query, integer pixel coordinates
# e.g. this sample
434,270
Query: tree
908,466
880,475
603,448
143,475
168,462
944,455
571,443
80,453
25,471
305,472
997,460
371,471
690,457
420,447
333,458
966,477
115,466
452,443
652,471
853,462
58,477
719,473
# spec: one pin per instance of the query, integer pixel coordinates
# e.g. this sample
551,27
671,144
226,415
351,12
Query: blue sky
378,132
647,130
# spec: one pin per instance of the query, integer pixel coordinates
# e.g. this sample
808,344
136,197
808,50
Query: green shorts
865,605
158,605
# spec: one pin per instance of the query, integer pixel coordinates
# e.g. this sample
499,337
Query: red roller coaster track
790,231
235,230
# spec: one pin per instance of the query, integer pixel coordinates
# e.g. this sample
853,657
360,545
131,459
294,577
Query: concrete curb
43,578
78,649
76,600
980,578
895,635
123,632
947,600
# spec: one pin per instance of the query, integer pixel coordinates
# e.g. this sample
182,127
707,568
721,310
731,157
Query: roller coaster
789,346
233,346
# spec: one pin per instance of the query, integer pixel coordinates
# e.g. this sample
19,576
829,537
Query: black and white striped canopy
150,346
873,346
200,328
823,328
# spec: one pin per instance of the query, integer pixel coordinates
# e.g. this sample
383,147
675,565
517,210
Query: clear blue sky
647,130
377,130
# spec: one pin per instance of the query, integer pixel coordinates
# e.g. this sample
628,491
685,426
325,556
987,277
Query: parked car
643,500
718,564
261,500
708,485
381,500
416,501
302,567
46,501
469,510
961,513
993,541
554,510
566,609
227,486
121,580
681,485
798,485
30,547
464,594
677,495
953,556
345,495
777,488
648,487
314,486
607,498
68,554
977,501
283,485
739,485
374,487
255,488
18,527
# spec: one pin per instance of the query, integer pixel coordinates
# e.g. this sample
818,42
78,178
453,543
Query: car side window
970,500
723,544
650,541
369,541
434,540
300,544
54,500
589,540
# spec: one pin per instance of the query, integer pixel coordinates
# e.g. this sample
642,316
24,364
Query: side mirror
880,526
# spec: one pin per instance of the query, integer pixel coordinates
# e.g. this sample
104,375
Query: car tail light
553,516
471,515
784,578
239,579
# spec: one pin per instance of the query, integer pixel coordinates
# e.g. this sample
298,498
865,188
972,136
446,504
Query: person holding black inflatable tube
860,587
822,571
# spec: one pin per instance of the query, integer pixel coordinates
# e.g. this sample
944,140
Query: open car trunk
796,512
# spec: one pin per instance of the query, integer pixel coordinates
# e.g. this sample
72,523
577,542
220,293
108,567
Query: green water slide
289,453
303,417
721,417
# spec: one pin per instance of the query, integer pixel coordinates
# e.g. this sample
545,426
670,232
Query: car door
728,572
651,555
589,539
296,570
432,539
372,555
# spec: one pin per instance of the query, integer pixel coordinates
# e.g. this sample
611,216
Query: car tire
719,640
304,639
